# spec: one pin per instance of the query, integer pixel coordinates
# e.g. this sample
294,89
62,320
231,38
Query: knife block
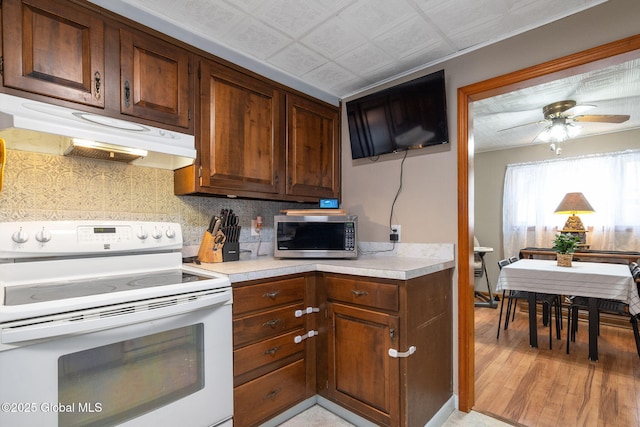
231,251
209,251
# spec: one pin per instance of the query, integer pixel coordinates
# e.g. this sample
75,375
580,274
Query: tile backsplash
49,187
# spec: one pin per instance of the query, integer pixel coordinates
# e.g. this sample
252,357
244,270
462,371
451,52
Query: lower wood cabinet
369,322
273,360
269,394
362,376
381,348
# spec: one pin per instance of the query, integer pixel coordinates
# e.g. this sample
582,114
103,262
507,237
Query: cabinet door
54,49
362,375
313,152
154,79
240,135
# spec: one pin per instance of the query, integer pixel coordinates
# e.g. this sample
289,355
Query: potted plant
565,245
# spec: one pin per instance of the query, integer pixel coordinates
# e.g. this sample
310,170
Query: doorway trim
537,74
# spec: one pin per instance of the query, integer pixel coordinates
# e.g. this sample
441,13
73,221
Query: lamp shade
574,203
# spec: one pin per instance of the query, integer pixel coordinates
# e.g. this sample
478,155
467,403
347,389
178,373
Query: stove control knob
43,236
142,234
171,233
20,236
157,233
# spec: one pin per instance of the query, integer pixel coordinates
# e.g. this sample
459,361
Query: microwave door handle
15,333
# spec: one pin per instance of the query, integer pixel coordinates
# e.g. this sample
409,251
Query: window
610,182
110,384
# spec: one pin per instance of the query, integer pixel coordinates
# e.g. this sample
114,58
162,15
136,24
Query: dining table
594,280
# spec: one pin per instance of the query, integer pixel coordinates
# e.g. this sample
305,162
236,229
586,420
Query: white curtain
610,182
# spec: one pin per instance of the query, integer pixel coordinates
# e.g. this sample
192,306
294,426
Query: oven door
169,371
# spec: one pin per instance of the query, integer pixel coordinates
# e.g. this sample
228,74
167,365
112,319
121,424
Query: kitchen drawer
265,352
362,292
267,295
269,395
266,324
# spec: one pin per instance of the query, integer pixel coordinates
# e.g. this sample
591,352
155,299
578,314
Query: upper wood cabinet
54,48
154,79
257,140
313,152
240,132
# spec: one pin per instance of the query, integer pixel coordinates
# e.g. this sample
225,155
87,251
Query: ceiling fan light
553,133
573,130
559,131
545,135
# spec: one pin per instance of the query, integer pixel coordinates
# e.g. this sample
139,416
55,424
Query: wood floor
547,388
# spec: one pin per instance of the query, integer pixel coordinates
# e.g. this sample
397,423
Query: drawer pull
308,310
97,83
271,351
272,323
127,94
395,353
272,294
359,293
299,338
272,394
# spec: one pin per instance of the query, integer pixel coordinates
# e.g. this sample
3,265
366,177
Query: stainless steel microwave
329,236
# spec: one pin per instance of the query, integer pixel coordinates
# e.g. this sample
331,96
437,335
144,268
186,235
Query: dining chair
501,264
547,300
604,306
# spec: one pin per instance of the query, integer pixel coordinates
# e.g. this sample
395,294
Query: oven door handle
92,320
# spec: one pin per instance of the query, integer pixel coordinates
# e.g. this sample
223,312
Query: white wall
427,206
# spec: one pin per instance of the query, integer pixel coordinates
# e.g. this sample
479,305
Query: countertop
388,267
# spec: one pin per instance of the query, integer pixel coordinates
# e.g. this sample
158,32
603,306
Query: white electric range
102,324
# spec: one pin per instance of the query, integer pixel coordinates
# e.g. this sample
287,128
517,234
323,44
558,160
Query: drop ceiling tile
207,18
373,17
255,38
293,17
480,20
330,75
363,59
336,5
248,6
334,38
412,36
297,59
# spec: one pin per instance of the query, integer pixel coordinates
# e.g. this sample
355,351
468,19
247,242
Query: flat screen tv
407,116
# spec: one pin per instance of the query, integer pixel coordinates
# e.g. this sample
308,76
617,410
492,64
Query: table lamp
573,204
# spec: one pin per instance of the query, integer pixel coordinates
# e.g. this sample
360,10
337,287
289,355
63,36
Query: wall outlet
395,233
256,226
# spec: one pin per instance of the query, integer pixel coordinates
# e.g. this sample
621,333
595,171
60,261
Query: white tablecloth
587,279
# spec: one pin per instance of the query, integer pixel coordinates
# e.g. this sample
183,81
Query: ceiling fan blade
578,109
602,118
535,138
522,125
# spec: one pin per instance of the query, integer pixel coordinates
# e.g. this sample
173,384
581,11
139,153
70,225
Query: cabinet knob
272,394
271,351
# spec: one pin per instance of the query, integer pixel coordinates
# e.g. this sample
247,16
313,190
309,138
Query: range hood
113,139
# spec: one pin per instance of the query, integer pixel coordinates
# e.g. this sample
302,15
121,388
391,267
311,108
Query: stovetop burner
32,293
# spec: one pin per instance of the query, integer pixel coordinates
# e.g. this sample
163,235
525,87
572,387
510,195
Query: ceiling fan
561,118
